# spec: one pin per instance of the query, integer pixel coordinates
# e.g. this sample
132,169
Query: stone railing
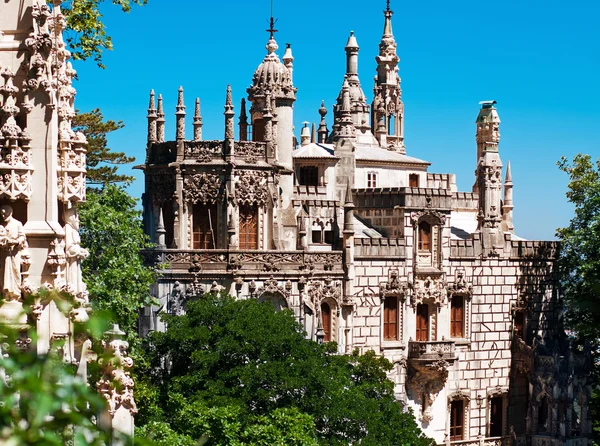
492,441
203,151
250,151
245,261
431,350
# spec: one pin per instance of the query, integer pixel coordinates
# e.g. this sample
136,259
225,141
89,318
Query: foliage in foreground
44,401
238,372
579,261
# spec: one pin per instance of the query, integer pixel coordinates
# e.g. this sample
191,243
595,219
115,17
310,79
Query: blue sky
539,60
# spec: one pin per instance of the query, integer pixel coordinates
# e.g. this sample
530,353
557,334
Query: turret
345,139
305,135
197,122
489,178
388,109
229,124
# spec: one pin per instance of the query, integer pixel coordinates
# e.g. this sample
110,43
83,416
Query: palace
371,250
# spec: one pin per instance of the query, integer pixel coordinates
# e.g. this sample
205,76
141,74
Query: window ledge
461,341
393,344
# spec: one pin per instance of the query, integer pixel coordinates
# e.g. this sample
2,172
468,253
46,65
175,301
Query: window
457,317
457,416
496,418
317,235
326,318
413,180
372,179
258,130
204,220
308,176
248,227
424,236
519,323
422,323
320,235
390,318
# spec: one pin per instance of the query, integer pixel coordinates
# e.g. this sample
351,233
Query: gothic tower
388,109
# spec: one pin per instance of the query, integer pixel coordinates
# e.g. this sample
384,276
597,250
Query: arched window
424,236
248,227
326,318
422,334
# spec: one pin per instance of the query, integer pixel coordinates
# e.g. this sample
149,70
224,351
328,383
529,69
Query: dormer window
424,236
308,176
372,179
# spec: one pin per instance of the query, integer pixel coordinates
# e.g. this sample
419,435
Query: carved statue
73,250
12,243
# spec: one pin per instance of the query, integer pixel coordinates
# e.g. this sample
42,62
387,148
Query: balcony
431,351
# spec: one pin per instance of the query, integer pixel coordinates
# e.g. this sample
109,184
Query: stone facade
372,251
42,178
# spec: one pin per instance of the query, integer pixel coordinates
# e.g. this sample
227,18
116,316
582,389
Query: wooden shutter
424,236
390,318
413,180
326,318
457,417
248,227
496,418
204,223
457,317
422,322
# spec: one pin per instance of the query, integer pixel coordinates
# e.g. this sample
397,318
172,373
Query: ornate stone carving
251,188
57,262
394,287
163,185
271,286
460,287
436,217
429,289
251,152
116,383
203,151
13,243
327,289
427,379
203,188
74,252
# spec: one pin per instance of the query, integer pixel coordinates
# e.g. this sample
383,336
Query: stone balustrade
482,441
431,350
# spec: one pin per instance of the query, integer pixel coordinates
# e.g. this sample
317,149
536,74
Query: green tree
579,261
117,278
238,372
86,32
101,161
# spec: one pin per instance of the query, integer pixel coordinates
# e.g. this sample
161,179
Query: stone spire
313,133
243,121
346,125
152,117
507,208
489,178
160,231
180,116
229,125
160,122
323,131
388,108
197,122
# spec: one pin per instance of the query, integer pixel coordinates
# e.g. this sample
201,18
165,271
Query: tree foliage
117,278
86,32
101,162
238,372
579,261
44,400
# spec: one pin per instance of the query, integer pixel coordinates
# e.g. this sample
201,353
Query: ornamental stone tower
42,179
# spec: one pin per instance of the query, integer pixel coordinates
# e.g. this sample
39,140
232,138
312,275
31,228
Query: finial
346,96
323,110
388,6
197,122
160,122
508,174
151,105
197,114
228,99
272,23
313,133
180,98
161,111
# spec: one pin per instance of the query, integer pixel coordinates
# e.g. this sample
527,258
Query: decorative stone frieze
251,188
202,188
319,291
429,289
250,152
204,151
